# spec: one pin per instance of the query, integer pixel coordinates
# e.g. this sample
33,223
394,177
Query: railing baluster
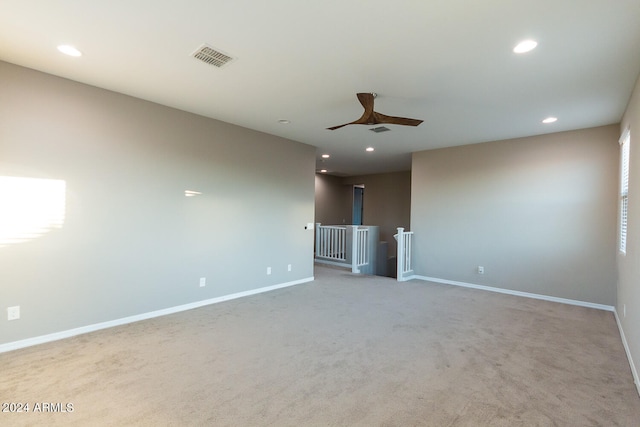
333,243
360,248
411,259
324,242
407,252
365,247
330,241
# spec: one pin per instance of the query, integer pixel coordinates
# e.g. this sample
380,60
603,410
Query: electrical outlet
13,313
289,267
203,282
480,269
268,270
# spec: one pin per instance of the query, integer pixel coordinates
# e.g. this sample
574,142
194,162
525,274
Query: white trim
518,293
334,263
634,372
15,345
624,135
623,193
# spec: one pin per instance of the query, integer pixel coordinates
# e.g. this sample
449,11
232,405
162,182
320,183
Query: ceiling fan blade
338,127
366,99
361,121
370,117
404,121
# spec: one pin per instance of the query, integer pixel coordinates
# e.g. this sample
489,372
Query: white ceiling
449,62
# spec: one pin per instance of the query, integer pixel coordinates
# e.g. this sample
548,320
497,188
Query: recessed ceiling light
325,156
191,193
284,121
370,148
550,120
525,46
69,50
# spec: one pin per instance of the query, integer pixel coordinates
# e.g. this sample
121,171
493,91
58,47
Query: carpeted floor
344,350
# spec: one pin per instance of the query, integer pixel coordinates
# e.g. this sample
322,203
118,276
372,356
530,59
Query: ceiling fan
370,117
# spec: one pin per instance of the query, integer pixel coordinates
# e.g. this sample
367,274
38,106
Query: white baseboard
516,293
334,263
634,372
15,345
407,278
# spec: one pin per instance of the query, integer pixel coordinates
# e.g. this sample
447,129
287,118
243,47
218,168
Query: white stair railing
405,241
347,246
331,242
361,256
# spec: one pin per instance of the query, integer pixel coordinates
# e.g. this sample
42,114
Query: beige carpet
341,351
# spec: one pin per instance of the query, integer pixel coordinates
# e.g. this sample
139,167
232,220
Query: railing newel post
400,254
318,239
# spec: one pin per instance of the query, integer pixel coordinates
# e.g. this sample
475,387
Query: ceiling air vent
379,129
212,56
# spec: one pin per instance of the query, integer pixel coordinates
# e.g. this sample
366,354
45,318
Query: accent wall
115,206
538,213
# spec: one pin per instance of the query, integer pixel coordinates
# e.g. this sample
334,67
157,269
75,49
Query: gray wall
131,241
538,213
333,200
387,202
629,264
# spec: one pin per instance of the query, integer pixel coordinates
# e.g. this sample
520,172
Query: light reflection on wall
30,207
